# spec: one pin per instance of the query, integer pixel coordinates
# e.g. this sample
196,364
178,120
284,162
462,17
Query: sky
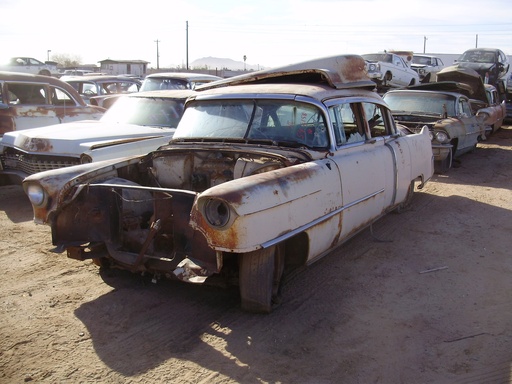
268,33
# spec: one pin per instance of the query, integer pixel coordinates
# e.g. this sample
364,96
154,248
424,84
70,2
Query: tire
45,72
387,78
442,166
406,204
260,275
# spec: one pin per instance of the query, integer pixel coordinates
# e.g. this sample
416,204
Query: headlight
217,212
85,159
36,194
442,137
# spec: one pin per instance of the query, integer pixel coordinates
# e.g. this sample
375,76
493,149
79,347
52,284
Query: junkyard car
95,88
176,80
444,108
30,101
390,70
494,110
266,172
427,67
491,63
30,65
484,98
136,125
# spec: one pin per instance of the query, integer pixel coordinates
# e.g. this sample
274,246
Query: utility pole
424,43
186,42
476,42
157,55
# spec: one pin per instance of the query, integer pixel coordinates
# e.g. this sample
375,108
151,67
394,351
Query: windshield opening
145,111
271,120
161,83
428,103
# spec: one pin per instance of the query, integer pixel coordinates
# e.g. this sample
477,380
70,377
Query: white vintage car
135,125
267,172
427,67
30,65
389,70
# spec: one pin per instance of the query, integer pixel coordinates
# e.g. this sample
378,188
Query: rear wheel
260,275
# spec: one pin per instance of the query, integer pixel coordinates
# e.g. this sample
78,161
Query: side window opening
61,98
346,124
378,120
27,94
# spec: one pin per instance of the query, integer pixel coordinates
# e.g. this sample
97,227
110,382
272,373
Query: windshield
421,60
428,103
478,57
271,120
154,112
156,83
385,57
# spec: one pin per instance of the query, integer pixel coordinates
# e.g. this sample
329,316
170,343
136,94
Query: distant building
124,67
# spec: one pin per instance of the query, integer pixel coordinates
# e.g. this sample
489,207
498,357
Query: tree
66,60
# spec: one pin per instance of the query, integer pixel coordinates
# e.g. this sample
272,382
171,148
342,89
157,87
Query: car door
30,105
402,75
364,165
67,109
474,129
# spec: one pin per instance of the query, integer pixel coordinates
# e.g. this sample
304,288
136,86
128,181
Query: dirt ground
421,297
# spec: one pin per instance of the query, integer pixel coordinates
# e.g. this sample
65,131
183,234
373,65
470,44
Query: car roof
419,90
100,78
184,76
482,50
319,92
337,72
167,93
27,77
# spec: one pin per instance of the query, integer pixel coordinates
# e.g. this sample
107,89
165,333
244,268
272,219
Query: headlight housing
441,136
85,159
36,194
217,212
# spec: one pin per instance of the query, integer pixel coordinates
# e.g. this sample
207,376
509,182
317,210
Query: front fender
269,205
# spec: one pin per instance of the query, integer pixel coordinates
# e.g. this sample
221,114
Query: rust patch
354,69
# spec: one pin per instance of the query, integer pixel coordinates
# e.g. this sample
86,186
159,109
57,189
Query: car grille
29,164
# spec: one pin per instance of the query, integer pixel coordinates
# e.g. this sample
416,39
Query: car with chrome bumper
137,124
267,172
389,70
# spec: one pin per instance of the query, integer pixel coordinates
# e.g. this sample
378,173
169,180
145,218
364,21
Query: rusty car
31,101
390,70
491,64
137,124
266,173
447,108
484,98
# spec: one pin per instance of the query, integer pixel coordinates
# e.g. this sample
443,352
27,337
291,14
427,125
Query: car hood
77,137
479,67
468,76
